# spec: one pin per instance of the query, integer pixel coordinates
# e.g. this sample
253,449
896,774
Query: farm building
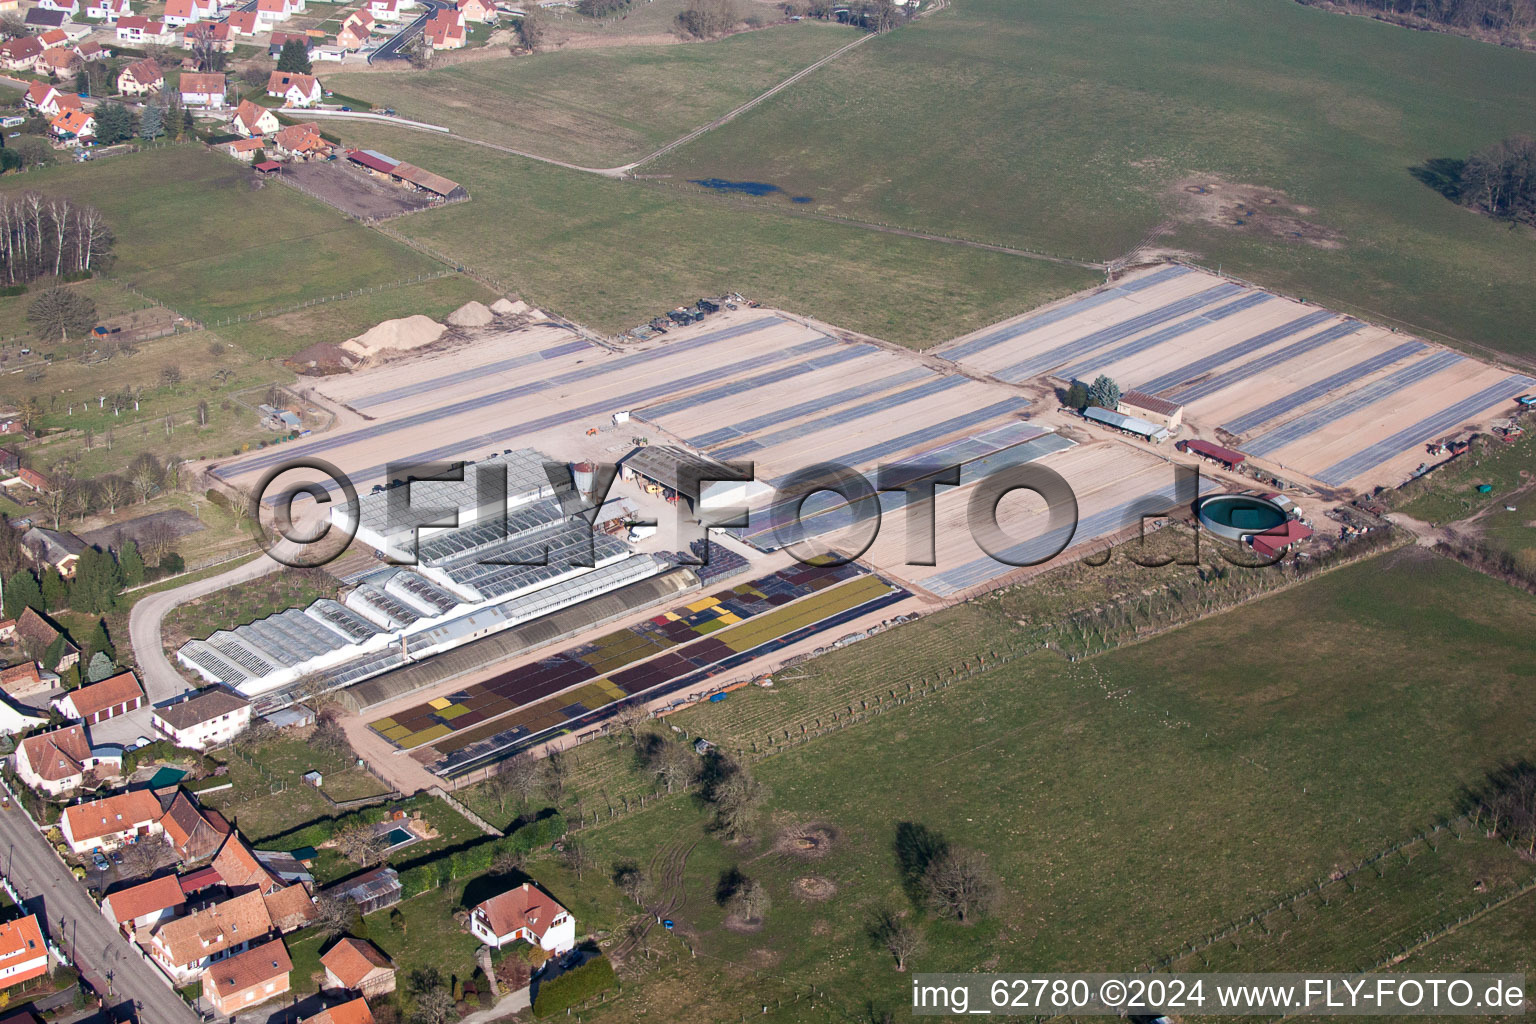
1164,413
1276,542
353,965
1128,424
1228,457
680,473
372,890
407,175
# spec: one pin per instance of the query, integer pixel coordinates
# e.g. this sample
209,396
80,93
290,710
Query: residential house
242,24
445,30
353,965
58,548
53,37
241,870
40,19
10,7
141,78
333,54
358,966
203,89
26,679
244,150
186,946
300,142
107,10
527,913
180,13
217,33
354,1011
270,12
372,890
251,120
296,90
23,955
90,51
68,8
481,12
111,821
14,720
136,28
194,833
21,53
241,981
56,762
35,631
7,626
211,719
43,98
144,905
278,40
30,477
94,703
355,30
384,10
290,908
58,61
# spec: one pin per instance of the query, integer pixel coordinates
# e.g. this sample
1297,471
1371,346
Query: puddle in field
747,188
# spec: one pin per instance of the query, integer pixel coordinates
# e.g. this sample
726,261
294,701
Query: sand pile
406,333
471,314
506,307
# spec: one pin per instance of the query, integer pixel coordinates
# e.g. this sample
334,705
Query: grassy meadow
611,255
1135,805
1073,126
563,105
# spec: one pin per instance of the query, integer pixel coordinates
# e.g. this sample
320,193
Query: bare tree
435,1006
333,915
531,28
55,502
736,797
360,844
898,937
144,858
705,19
959,884
675,765
631,719
113,491
58,312
521,778
750,901
575,857
632,882
146,475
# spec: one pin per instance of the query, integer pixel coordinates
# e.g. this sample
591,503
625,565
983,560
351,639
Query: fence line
339,297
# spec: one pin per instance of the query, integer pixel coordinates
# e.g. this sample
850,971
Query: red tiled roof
1272,542
21,940
352,960
147,898
57,755
524,907
109,693
1215,451
255,966
353,1012
202,878
207,83
113,814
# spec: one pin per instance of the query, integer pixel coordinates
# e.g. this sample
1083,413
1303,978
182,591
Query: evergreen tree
22,592
55,590
294,58
152,124
98,581
98,642
1104,393
1077,396
114,123
100,668
54,652
187,124
132,564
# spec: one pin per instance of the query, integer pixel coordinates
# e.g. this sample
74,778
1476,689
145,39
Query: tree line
50,235
1477,15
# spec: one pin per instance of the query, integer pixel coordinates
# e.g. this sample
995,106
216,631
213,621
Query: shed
1228,457
268,167
1150,407
1129,424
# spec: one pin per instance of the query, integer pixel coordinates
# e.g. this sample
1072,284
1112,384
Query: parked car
100,861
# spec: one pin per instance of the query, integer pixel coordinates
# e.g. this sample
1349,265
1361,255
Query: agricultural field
1345,760
273,798
561,105
611,255
195,231
1274,140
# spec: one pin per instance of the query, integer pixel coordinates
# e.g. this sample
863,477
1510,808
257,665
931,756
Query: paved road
160,678
76,924
391,49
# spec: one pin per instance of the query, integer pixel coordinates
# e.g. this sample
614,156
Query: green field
1134,805
1073,125
611,255
194,232
562,105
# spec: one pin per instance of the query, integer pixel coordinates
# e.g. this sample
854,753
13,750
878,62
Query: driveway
391,48
161,680
108,961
